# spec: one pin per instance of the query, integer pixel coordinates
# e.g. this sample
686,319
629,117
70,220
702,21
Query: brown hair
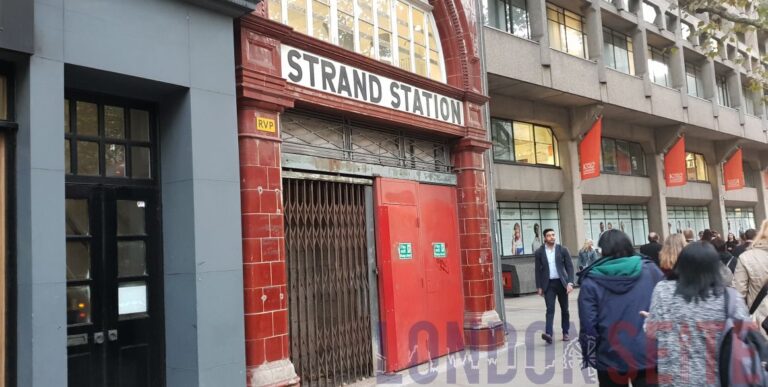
761,240
671,250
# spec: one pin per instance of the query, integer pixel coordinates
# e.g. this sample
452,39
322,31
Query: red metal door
420,283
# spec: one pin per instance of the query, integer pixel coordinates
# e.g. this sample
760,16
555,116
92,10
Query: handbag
756,303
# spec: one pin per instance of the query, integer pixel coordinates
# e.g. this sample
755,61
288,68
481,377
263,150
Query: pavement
525,360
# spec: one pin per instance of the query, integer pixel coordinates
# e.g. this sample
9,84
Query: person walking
751,272
587,255
554,279
614,290
685,318
731,243
652,248
672,247
749,237
725,259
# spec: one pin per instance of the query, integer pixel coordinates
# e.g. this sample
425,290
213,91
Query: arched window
396,32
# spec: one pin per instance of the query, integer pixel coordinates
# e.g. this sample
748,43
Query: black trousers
557,290
640,379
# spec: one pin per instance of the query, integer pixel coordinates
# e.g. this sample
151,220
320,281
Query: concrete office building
120,255
641,65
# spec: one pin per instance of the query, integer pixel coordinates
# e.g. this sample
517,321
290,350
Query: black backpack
742,351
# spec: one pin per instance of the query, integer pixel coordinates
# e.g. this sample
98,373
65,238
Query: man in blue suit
554,279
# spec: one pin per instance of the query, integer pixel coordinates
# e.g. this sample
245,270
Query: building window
521,226
391,31
622,157
108,139
739,220
696,167
681,218
658,66
631,219
685,31
508,15
566,31
523,142
693,79
650,13
723,97
618,53
750,179
749,101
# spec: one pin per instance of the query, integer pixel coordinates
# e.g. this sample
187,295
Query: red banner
733,172
674,165
589,151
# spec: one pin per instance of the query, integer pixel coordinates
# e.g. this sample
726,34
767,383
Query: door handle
112,334
98,337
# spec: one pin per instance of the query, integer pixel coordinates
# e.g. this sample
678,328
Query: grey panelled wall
181,56
16,32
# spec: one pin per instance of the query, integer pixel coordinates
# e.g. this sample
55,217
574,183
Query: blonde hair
761,240
671,250
587,244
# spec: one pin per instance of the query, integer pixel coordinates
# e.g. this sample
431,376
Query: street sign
405,250
438,250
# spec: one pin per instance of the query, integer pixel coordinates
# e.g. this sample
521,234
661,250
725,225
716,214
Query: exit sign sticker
405,250
438,250
266,124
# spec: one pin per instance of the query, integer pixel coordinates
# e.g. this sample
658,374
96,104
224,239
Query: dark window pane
623,161
3,98
130,217
502,140
131,258
78,304
87,158
140,163
77,217
78,260
139,125
87,119
114,122
115,160
638,159
609,155
67,157
66,116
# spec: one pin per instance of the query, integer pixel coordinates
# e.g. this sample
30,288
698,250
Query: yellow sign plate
266,124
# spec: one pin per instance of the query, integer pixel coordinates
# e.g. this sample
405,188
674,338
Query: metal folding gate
328,279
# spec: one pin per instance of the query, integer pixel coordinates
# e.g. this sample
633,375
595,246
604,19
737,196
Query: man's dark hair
707,235
698,272
614,243
750,234
546,230
719,244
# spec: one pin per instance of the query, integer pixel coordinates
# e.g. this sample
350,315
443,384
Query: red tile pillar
483,329
264,274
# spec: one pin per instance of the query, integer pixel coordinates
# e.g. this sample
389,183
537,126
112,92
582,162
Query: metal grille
308,133
328,305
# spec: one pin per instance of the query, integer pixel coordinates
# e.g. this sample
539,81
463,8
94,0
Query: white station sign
315,72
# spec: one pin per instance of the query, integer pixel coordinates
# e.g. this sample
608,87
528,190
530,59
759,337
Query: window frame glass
741,217
680,218
569,27
508,16
519,135
657,59
139,138
530,219
696,167
600,217
633,163
613,51
647,15
394,40
723,95
693,80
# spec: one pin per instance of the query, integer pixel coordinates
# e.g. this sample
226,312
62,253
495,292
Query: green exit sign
405,250
438,250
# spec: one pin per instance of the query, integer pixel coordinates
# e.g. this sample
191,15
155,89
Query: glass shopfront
632,219
521,226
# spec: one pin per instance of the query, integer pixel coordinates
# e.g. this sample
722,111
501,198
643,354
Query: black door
114,289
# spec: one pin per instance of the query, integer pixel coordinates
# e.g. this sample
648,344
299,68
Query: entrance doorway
330,280
114,309
114,296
